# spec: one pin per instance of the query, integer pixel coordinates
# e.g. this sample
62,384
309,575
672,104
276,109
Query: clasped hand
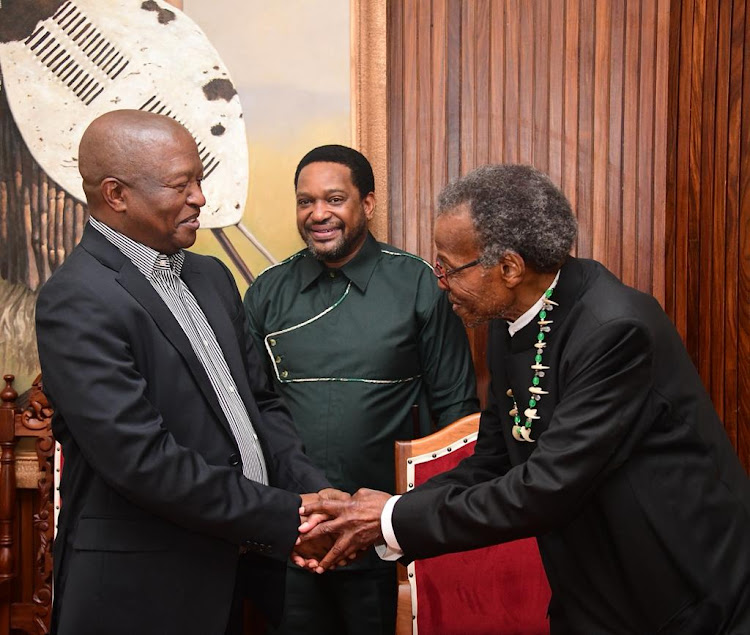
336,527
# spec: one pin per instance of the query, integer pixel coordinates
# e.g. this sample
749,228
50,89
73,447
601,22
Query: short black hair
357,163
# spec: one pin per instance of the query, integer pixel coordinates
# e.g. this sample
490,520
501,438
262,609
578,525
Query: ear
113,193
513,269
368,204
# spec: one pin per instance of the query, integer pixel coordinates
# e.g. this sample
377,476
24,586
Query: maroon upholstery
499,589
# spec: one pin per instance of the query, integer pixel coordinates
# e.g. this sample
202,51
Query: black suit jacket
155,505
639,503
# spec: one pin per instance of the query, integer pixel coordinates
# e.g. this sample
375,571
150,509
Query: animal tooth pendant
536,390
530,413
513,412
526,434
539,367
517,434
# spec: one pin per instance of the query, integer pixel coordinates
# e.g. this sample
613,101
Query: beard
341,248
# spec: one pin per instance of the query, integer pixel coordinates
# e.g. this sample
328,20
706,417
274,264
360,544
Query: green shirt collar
359,269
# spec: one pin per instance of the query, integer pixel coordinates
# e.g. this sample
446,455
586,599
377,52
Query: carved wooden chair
26,510
499,589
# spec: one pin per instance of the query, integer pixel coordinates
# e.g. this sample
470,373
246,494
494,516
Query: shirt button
272,342
205,342
234,460
277,359
332,274
231,389
285,373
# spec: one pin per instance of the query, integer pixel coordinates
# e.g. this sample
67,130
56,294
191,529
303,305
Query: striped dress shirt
163,272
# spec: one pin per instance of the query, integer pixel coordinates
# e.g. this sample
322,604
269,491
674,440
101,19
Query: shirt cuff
391,550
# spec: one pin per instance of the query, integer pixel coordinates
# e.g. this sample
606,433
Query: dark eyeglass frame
443,274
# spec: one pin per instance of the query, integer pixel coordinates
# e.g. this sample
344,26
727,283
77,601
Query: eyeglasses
442,273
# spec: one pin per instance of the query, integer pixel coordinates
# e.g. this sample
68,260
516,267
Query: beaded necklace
523,432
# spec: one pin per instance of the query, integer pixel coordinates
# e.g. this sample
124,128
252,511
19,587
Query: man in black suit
182,469
598,438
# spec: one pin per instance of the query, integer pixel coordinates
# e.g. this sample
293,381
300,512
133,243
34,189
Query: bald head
142,177
121,144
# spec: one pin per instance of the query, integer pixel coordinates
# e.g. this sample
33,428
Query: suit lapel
133,281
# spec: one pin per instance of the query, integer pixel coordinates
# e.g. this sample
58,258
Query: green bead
535,381
517,419
540,337
532,403
542,315
538,359
527,425
548,293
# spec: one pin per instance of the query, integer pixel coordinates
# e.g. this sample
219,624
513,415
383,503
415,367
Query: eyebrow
335,190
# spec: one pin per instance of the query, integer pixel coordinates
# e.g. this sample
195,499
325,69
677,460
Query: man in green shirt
355,333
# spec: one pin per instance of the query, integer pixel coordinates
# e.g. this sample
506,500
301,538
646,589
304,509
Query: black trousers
341,602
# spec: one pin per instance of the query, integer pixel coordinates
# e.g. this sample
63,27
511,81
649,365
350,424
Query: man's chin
185,239
470,320
325,252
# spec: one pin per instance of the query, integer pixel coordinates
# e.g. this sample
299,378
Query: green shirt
352,349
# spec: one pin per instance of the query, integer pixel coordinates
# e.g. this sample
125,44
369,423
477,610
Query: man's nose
196,197
320,211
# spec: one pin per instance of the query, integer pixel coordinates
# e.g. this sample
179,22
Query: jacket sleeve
602,412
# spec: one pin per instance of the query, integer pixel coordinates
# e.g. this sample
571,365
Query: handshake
335,527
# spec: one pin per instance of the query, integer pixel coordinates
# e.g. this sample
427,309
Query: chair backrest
498,589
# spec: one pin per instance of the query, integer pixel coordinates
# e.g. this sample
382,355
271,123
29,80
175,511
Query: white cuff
391,550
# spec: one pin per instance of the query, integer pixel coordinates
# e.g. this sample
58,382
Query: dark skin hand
309,553
354,524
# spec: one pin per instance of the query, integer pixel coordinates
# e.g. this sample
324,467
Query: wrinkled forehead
455,233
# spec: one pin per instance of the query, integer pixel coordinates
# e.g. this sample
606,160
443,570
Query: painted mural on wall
44,108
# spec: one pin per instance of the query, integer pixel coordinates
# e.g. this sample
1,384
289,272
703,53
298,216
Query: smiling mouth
327,231
193,222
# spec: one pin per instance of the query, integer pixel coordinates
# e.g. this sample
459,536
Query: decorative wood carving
38,418
30,419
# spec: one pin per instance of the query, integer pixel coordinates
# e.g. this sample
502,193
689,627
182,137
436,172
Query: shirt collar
359,269
525,319
143,257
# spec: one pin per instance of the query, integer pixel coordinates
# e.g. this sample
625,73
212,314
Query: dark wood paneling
708,201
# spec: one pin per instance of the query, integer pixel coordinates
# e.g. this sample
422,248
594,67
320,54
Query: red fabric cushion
499,589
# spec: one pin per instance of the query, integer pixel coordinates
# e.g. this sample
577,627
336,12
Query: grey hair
514,208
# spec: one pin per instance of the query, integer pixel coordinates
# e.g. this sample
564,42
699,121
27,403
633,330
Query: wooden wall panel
708,201
636,108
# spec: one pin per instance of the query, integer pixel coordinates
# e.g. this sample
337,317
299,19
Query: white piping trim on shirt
294,327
